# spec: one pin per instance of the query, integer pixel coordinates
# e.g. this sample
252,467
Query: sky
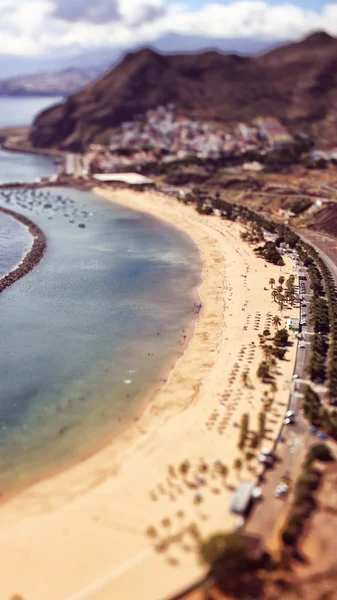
46,27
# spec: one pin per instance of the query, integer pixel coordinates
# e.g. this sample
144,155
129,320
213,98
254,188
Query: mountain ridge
295,82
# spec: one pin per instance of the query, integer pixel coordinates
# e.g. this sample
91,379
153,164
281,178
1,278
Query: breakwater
34,255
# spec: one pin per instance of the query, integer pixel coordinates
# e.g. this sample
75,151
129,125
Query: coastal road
289,452
297,438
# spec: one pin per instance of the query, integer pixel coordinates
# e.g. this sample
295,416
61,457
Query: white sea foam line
99,584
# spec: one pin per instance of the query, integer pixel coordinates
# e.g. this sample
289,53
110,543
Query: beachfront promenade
125,523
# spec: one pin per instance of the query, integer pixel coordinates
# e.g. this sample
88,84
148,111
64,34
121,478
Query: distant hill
296,82
59,83
12,65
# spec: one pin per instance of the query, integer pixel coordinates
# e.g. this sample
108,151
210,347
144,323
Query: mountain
59,83
64,76
296,82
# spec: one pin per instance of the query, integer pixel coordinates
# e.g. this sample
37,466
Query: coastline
113,497
33,256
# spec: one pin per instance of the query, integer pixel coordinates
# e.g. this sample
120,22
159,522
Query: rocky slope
296,82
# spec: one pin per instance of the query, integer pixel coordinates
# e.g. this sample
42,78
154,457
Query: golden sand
83,534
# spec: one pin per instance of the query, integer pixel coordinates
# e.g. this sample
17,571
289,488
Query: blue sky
37,27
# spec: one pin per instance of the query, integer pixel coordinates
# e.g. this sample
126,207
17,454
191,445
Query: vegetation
319,315
279,353
319,350
300,205
231,563
324,284
304,500
253,234
320,452
226,554
270,253
318,415
263,371
281,338
276,321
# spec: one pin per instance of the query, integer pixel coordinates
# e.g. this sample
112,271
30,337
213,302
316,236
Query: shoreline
33,256
114,496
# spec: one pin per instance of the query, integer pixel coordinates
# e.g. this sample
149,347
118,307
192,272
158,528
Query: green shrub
320,452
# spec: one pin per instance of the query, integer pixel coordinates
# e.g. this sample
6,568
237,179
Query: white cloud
36,27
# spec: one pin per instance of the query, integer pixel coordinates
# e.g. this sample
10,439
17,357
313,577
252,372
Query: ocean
16,111
14,238
89,330
15,242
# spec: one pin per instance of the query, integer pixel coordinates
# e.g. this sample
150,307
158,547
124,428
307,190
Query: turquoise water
88,331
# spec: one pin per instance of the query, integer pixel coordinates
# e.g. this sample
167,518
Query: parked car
301,345
322,436
281,490
290,418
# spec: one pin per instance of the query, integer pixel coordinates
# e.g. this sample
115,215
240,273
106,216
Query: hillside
296,82
59,83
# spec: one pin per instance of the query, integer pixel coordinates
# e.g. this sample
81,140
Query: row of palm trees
281,295
329,289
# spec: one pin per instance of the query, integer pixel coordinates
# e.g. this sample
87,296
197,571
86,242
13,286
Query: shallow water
15,242
87,332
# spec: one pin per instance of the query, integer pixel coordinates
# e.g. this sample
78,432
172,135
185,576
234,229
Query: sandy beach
124,523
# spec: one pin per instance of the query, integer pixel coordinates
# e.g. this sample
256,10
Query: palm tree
276,321
274,295
281,280
272,282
